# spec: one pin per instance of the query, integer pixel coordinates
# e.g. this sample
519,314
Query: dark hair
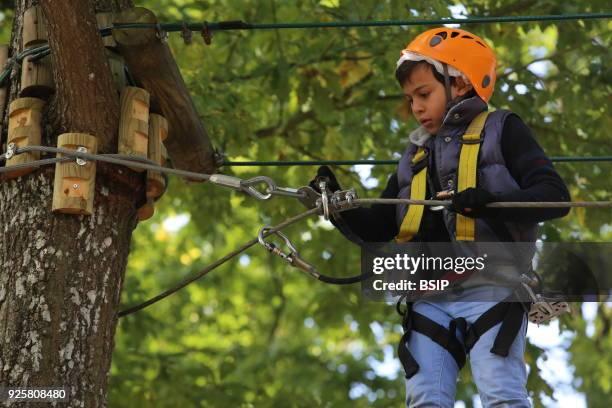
403,72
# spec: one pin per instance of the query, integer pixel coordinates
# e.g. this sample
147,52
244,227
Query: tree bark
61,275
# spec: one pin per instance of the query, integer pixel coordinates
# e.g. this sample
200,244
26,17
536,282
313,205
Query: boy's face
427,97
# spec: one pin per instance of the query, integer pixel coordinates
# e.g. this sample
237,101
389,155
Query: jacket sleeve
377,222
533,171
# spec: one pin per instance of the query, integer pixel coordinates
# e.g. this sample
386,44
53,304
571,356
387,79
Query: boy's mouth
425,122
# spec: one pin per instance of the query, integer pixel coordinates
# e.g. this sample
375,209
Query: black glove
471,203
325,173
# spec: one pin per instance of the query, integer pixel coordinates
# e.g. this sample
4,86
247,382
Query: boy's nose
417,107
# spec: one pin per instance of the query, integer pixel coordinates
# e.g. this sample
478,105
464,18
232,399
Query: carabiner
247,187
324,199
292,258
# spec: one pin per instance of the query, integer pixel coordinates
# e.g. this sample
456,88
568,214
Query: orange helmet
459,49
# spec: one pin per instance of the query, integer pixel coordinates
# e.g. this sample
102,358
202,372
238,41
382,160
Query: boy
448,76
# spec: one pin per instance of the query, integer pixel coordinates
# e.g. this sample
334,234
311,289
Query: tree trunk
61,275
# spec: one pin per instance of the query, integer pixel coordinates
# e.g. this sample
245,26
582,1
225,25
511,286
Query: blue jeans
501,381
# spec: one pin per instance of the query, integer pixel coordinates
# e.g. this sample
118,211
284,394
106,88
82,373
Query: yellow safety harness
468,165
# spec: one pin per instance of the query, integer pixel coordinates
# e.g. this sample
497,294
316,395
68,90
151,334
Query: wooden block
151,63
146,211
117,67
158,132
24,129
34,28
134,123
74,185
105,20
3,90
37,78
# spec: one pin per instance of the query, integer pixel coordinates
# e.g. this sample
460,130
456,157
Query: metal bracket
186,33
343,199
542,309
11,149
80,161
309,197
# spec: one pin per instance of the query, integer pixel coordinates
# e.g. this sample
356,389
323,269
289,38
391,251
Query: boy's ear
462,86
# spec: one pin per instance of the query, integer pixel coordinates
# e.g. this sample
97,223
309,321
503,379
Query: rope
143,163
504,204
229,163
217,263
241,25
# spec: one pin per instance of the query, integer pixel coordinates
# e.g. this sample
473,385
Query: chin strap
447,85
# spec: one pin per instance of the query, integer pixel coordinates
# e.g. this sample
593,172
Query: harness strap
445,338
510,314
468,165
418,189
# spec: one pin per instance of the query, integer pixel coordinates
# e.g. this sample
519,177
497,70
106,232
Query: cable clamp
292,258
343,199
186,33
11,150
80,161
160,33
206,33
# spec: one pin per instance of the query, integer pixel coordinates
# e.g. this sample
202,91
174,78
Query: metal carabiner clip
324,199
292,258
248,187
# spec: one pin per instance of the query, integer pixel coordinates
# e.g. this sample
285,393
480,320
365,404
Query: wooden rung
117,68
134,123
24,129
105,20
36,78
158,132
74,185
146,211
34,28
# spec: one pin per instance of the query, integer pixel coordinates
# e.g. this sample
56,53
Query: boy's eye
424,94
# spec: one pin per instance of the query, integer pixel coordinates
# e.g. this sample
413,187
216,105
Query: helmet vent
481,44
435,40
454,34
467,36
442,34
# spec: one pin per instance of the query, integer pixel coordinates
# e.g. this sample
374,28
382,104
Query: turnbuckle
292,258
247,186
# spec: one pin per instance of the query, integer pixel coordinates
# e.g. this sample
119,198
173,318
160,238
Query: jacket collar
463,112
